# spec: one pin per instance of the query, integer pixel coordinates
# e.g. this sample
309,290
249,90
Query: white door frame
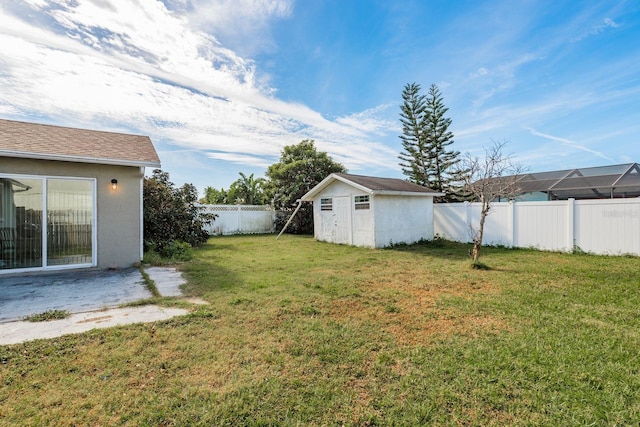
342,228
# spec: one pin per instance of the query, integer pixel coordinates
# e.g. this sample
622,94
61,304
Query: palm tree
249,190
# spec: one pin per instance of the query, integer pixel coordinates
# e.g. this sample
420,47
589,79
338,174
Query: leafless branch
488,179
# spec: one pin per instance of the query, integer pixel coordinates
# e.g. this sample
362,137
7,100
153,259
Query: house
371,212
70,198
598,182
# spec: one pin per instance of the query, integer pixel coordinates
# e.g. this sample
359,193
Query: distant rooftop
602,182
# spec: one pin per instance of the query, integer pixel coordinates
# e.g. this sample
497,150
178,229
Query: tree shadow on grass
456,251
438,248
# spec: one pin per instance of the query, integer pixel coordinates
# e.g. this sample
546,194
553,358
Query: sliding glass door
69,220
46,222
21,220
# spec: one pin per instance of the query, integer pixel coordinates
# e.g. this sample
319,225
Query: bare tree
487,180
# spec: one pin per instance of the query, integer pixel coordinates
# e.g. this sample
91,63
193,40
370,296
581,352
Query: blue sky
221,86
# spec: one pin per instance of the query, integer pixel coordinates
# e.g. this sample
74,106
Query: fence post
512,223
571,220
467,206
239,219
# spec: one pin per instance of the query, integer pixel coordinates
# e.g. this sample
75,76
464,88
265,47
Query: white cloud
140,65
569,143
36,3
241,159
231,13
242,24
480,72
501,78
606,24
371,121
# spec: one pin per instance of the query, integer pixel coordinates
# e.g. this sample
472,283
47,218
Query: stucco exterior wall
402,219
118,212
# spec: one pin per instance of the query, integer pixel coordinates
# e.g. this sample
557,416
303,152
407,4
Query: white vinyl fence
606,226
241,219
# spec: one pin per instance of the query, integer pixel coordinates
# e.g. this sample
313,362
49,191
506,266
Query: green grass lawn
299,332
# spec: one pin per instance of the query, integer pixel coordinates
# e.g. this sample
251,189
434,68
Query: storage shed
371,212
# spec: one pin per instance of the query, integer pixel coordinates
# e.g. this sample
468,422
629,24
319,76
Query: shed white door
342,220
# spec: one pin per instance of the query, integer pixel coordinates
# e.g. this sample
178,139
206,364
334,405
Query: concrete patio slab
89,295
76,291
167,280
17,332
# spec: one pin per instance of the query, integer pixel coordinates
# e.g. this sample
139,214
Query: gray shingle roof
38,141
386,184
374,185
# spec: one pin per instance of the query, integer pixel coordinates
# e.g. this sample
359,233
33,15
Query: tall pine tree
427,159
442,160
415,155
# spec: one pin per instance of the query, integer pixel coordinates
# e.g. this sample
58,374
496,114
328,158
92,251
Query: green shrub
172,214
177,250
170,252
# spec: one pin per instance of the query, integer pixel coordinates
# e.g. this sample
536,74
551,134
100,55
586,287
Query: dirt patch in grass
462,325
410,308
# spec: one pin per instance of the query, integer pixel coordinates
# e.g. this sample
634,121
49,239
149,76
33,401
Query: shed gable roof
48,142
373,185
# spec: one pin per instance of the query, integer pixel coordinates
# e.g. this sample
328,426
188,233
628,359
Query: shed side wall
402,219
